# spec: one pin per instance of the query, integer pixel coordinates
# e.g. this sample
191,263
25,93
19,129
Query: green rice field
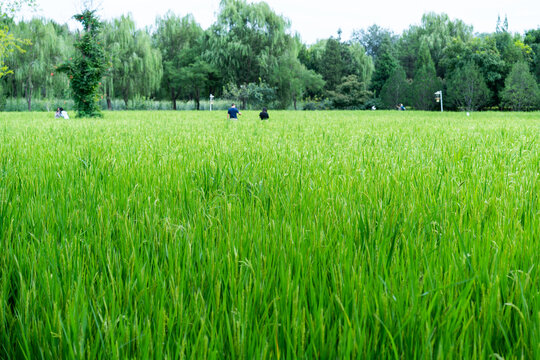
331,235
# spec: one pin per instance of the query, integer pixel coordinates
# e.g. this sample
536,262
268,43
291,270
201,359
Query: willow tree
87,67
136,67
35,68
293,79
9,42
247,41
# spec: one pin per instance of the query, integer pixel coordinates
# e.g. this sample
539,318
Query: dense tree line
250,55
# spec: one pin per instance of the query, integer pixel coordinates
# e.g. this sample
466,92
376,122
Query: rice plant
312,235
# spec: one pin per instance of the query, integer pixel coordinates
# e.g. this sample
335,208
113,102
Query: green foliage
350,94
425,82
311,56
8,42
137,103
87,68
180,41
375,40
532,39
136,66
384,67
246,41
340,60
436,31
396,89
36,71
325,104
3,98
293,80
521,90
466,88
424,85
357,62
197,79
332,66
251,44
251,95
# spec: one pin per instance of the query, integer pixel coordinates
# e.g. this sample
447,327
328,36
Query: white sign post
438,98
211,101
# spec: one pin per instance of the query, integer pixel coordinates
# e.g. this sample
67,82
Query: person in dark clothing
264,114
233,113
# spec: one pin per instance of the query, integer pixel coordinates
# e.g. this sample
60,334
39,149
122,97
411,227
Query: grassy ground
314,235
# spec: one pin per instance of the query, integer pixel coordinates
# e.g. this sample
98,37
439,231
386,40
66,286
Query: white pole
441,102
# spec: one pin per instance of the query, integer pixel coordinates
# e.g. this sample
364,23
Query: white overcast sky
319,19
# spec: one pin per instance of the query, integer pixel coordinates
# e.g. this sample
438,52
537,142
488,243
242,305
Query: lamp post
211,101
438,98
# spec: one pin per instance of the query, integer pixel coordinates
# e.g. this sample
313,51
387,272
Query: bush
377,102
318,105
252,95
351,94
20,105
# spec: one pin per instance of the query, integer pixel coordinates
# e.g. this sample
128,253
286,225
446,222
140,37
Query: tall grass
313,235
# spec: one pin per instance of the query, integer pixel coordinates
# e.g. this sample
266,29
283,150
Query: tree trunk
294,101
29,87
109,103
198,99
173,98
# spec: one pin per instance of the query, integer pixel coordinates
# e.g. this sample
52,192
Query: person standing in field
264,114
233,112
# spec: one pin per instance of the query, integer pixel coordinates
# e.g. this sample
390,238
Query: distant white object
64,114
373,107
468,113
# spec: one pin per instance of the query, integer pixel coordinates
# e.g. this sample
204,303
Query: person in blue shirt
233,113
